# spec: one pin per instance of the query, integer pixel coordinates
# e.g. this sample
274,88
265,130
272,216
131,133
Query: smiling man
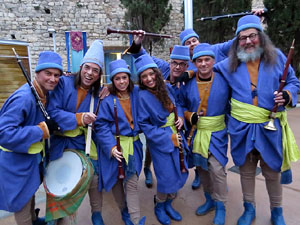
22,133
253,71
70,108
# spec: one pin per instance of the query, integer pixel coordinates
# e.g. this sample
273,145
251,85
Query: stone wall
29,20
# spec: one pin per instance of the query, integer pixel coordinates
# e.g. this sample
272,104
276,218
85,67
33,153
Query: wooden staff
181,156
111,30
121,174
271,125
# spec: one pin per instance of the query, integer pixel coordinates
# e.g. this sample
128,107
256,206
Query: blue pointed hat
186,34
144,62
203,49
49,59
180,52
118,66
95,54
249,21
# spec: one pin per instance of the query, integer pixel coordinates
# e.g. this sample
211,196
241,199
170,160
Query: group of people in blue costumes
221,89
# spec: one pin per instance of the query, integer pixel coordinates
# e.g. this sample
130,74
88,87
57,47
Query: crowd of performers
185,107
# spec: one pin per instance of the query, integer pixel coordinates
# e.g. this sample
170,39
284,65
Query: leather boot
97,218
248,215
276,216
220,213
148,177
171,211
196,183
160,213
207,206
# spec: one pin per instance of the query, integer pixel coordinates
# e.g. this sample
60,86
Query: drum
66,183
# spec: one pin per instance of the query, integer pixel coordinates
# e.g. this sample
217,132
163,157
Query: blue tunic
105,131
165,157
247,136
217,105
62,109
20,177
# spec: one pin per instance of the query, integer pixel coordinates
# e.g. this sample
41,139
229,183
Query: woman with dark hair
124,94
156,119
70,107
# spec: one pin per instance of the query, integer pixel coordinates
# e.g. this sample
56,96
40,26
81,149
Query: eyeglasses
175,64
252,37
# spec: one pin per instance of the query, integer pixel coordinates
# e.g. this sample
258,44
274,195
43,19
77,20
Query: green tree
217,31
148,15
283,21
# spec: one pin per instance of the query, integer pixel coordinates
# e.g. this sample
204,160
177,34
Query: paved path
188,200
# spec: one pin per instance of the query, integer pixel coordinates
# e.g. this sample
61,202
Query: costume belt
79,131
127,146
248,113
35,148
171,123
205,126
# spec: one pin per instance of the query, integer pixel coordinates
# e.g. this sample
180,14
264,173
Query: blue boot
148,177
248,215
97,218
276,216
209,205
171,211
161,214
126,216
196,183
141,222
220,213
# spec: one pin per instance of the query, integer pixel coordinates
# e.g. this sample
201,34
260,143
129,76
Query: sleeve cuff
44,128
290,96
133,49
191,73
188,116
175,140
79,119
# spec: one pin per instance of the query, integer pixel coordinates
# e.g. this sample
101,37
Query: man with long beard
253,71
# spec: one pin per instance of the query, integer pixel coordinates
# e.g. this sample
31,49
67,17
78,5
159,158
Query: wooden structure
11,76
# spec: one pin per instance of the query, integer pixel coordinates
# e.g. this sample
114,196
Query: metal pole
188,14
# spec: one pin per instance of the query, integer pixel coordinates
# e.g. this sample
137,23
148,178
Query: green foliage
217,31
283,21
148,15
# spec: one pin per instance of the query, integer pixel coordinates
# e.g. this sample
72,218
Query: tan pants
214,180
95,202
272,178
26,215
162,197
131,193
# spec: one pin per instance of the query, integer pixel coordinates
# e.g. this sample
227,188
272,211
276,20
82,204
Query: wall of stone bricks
29,20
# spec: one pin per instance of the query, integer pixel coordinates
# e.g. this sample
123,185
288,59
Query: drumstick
89,130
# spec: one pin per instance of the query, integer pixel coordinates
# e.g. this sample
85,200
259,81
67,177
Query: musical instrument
64,174
229,16
103,82
36,96
121,174
271,125
181,156
111,30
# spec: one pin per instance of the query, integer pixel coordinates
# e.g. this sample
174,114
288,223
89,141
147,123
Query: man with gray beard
253,72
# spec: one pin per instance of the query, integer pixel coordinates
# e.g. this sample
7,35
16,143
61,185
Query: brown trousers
26,215
272,178
214,180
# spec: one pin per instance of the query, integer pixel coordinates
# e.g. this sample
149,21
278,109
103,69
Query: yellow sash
127,146
252,114
171,123
205,126
35,148
79,131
